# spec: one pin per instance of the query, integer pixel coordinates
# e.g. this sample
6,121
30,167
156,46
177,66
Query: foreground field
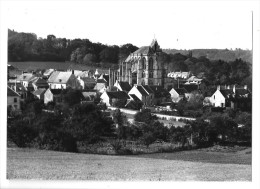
50,165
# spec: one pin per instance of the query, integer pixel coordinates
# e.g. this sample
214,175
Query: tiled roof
125,85
39,91
88,80
101,81
143,50
141,90
11,92
118,95
59,77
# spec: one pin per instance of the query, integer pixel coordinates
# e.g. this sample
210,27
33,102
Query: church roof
143,50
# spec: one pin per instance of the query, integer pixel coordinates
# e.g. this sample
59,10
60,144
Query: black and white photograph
129,94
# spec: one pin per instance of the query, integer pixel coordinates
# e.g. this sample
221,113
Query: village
143,84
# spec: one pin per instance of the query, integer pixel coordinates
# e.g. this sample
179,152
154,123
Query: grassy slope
36,164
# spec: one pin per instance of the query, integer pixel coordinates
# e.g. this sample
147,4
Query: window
151,74
15,99
150,63
214,97
143,74
222,105
143,63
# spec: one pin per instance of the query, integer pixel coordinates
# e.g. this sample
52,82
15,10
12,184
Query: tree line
27,47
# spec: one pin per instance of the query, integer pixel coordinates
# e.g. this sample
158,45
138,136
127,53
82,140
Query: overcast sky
180,25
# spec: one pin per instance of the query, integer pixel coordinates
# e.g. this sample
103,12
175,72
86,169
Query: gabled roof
135,98
227,92
141,90
59,77
19,87
143,50
40,82
48,72
125,86
11,92
88,80
25,77
118,95
181,91
101,81
159,91
56,91
242,92
39,91
148,89
99,86
190,87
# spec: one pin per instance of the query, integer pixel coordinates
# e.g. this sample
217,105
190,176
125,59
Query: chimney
245,87
234,89
218,87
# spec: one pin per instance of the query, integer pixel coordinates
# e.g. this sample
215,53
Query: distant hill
216,54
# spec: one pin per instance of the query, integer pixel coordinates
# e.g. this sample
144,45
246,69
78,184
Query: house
178,94
25,78
233,98
39,83
53,95
110,98
193,80
87,82
134,103
39,93
13,99
122,86
161,95
145,94
89,96
47,73
63,80
20,89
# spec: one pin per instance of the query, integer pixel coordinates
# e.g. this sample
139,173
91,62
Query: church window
143,64
150,63
143,74
151,74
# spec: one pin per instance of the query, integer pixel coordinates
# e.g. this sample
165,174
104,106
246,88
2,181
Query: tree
145,116
72,97
148,138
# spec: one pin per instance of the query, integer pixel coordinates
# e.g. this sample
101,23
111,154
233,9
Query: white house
178,94
63,80
109,97
25,78
144,94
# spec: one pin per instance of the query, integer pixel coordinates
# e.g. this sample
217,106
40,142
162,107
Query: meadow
195,165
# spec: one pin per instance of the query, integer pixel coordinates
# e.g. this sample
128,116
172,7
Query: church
142,66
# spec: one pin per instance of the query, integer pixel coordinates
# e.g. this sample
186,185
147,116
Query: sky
175,24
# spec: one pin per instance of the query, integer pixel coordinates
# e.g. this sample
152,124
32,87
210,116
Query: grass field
195,165
34,65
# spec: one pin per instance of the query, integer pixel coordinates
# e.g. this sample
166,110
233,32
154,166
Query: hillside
216,54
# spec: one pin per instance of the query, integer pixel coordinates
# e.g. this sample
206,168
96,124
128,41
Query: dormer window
59,80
